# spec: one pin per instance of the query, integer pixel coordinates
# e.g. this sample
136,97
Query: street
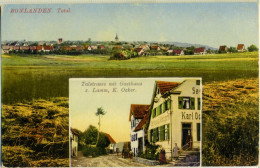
111,160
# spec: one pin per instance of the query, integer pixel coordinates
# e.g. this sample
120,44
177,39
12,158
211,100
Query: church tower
116,38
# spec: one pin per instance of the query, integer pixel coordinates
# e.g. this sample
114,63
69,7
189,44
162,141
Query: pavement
111,160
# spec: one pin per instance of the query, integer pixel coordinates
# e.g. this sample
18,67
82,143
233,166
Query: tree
252,48
90,135
99,112
232,49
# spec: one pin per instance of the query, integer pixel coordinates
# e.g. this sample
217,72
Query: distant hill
179,44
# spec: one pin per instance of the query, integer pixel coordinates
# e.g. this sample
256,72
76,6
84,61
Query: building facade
176,115
137,114
74,137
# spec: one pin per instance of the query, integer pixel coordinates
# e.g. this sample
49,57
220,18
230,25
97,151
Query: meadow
28,77
230,99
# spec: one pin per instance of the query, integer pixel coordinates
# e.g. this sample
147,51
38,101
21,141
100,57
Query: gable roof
222,48
138,110
199,50
240,46
110,138
142,122
166,86
177,51
74,132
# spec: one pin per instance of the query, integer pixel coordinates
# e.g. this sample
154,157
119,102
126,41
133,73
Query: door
140,144
186,136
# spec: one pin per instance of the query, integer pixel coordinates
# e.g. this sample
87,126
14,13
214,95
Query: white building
176,115
112,145
137,113
74,137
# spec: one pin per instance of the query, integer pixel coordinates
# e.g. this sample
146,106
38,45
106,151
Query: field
30,77
36,134
230,100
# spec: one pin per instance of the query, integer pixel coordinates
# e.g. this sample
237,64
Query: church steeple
116,38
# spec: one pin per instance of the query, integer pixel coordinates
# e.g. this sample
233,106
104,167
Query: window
153,113
168,131
155,135
158,110
198,131
163,108
151,135
197,82
162,133
168,104
186,103
198,103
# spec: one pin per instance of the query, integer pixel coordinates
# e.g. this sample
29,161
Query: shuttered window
198,103
155,135
153,113
162,133
180,100
192,103
163,107
151,135
198,131
168,131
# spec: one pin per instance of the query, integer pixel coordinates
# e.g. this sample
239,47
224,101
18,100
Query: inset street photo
135,122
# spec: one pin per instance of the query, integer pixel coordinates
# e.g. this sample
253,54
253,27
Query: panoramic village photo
121,84
135,122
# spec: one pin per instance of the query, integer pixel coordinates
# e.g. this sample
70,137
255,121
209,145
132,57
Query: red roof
138,111
199,50
32,47
74,132
166,86
222,48
139,49
177,51
142,122
240,47
48,47
110,138
39,47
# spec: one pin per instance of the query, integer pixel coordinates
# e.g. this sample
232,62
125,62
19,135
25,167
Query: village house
200,51
5,49
155,47
112,145
241,48
140,51
47,48
178,52
176,115
223,49
24,48
137,113
32,48
74,138
59,40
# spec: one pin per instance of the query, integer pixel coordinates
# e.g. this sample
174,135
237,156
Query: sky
212,24
83,105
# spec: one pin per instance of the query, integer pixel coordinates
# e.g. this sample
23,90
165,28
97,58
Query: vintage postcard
135,121
65,62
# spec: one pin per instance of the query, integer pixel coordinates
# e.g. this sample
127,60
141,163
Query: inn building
176,115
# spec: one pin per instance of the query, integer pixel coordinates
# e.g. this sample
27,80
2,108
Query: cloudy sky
211,24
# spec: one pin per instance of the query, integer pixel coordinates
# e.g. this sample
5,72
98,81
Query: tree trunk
98,130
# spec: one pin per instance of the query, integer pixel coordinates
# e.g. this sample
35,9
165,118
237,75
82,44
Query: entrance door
140,144
186,136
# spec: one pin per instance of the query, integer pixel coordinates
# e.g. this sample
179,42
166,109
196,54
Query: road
111,160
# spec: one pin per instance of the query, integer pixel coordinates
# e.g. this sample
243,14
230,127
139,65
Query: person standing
176,152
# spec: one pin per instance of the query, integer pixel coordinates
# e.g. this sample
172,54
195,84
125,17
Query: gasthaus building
176,115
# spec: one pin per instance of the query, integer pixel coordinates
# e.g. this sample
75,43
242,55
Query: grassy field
35,134
231,123
44,76
230,93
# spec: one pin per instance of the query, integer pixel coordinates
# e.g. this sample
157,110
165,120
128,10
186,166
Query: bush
150,152
93,151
